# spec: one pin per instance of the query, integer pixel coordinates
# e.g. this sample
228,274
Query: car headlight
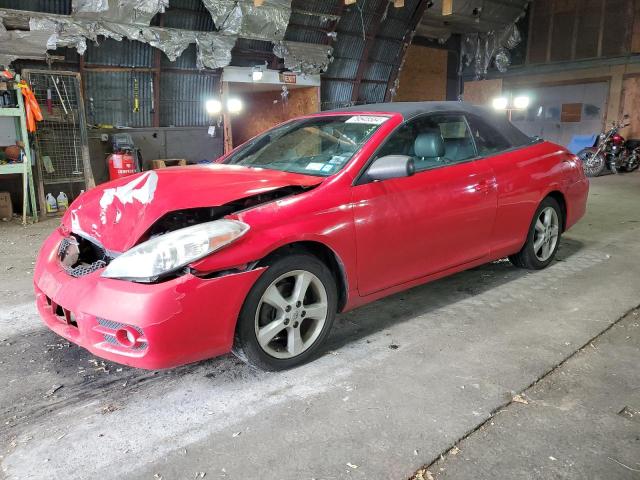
173,250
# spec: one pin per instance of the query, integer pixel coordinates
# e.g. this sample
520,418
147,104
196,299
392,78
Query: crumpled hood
118,213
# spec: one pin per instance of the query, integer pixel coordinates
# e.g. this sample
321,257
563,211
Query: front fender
315,216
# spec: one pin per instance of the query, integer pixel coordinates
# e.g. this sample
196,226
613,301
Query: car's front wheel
543,237
287,314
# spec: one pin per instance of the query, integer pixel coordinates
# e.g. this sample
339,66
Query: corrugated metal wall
562,30
183,90
125,53
109,97
182,98
369,39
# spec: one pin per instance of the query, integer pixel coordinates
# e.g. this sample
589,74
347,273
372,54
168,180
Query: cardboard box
6,208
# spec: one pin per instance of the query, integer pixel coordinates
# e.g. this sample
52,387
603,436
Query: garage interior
490,373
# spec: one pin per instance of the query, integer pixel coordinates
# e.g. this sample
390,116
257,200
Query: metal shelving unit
24,168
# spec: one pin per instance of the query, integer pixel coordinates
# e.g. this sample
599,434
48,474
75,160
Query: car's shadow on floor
36,362
424,299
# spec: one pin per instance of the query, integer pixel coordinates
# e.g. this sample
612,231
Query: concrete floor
405,379
581,421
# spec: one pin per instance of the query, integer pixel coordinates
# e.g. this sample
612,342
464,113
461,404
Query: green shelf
10,112
11,168
24,168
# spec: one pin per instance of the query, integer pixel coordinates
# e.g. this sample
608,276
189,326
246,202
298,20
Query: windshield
318,146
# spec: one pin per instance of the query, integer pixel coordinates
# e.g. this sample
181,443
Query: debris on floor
520,399
52,390
423,474
109,408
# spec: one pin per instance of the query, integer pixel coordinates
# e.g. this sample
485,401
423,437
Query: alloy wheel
546,234
291,314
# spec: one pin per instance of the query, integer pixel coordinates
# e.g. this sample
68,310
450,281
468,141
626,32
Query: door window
432,141
488,139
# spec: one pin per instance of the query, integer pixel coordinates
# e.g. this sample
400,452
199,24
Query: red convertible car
257,253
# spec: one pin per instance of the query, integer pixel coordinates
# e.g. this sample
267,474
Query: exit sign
288,78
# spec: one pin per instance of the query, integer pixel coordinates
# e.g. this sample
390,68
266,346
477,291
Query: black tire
592,167
526,257
246,346
631,168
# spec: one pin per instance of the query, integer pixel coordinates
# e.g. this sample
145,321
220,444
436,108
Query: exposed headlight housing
174,250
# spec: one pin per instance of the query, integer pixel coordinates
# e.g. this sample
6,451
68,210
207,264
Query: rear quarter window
488,140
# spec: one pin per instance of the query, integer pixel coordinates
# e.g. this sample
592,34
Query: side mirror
391,166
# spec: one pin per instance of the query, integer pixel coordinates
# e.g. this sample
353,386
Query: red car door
440,217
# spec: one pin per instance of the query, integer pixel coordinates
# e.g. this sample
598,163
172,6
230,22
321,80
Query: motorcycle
611,151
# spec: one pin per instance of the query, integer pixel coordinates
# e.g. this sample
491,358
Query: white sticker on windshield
337,159
314,166
367,119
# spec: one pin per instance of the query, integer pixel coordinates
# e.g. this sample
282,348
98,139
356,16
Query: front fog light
127,337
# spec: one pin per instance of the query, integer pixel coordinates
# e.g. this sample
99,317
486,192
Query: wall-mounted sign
288,78
571,112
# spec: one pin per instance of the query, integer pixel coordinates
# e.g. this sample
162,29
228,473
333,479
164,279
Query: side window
458,144
400,142
488,139
432,141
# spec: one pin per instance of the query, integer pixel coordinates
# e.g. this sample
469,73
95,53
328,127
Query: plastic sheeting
480,49
16,44
130,19
138,12
213,48
309,58
266,22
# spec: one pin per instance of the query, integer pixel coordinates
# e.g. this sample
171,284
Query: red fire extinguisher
124,159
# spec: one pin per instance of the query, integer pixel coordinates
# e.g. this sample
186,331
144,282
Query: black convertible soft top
410,110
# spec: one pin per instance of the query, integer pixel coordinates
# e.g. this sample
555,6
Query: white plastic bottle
63,201
52,204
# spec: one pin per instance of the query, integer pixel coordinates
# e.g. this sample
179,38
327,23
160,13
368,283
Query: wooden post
155,81
226,119
28,194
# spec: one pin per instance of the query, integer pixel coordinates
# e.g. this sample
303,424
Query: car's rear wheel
543,238
287,314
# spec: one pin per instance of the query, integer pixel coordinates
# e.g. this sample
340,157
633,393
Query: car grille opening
64,315
91,256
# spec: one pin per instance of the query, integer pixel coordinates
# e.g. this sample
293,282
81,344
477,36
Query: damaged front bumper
149,326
